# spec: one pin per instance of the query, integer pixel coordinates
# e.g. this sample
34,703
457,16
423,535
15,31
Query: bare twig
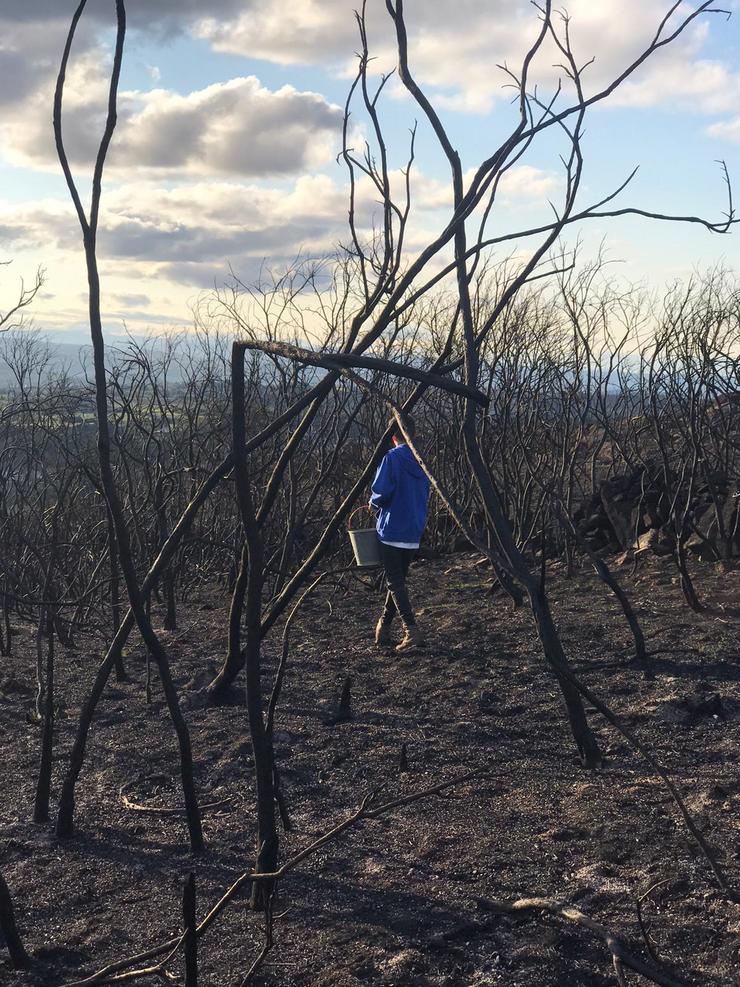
643,929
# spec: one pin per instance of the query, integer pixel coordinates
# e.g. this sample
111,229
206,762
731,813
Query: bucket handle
362,507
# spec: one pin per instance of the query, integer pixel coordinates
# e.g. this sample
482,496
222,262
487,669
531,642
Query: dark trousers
396,562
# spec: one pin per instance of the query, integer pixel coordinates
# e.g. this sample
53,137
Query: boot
412,638
383,633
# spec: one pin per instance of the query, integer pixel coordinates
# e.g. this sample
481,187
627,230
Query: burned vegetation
211,773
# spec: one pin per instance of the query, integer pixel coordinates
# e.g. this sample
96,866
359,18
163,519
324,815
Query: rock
645,541
693,709
629,512
621,507
11,686
403,965
719,793
563,834
707,542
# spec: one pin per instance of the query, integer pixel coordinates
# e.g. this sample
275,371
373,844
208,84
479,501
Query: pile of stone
631,512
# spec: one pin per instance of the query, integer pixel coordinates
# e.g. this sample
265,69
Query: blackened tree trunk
115,593
65,814
88,225
251,576
18,955
168,577
43,785
496,519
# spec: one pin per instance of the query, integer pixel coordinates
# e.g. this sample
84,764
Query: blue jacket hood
400,495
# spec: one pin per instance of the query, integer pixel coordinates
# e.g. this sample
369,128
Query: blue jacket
400,493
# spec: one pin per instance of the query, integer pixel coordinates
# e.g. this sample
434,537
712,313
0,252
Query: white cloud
456,47
157,240
728,130
526,183
159,16
700,86
236,127
520,184
166,230
240,128
289,33
33,47
160,244
208,223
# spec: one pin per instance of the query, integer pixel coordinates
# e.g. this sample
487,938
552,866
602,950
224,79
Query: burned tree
292,433
89,227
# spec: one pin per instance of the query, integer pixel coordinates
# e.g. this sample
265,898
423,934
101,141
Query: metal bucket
366,547
365,544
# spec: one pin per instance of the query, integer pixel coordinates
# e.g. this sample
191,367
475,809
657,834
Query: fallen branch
189,932
155,810
621,956
643,928
368,809
638,746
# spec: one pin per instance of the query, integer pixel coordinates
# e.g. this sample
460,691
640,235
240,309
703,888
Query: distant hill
71,356
63,355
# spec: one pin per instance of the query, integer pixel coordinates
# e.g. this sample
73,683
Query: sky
230,115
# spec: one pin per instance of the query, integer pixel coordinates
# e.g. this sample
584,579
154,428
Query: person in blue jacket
400,495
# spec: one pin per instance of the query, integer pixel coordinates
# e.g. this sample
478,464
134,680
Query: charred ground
394,902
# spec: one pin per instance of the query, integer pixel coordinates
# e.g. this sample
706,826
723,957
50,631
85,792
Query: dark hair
408,423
